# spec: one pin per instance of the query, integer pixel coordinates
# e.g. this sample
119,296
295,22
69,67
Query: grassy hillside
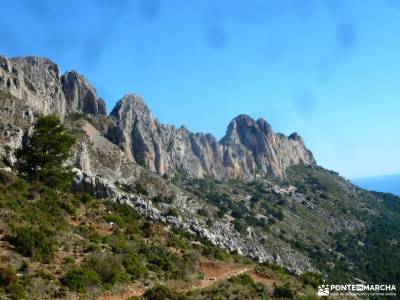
62,245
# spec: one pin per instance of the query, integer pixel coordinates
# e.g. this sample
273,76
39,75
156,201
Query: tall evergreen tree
47,150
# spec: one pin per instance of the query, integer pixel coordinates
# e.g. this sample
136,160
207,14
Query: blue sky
329,70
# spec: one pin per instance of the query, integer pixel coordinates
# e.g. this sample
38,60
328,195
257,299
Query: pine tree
47,150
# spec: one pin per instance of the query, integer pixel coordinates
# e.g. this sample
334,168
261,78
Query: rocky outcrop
254,147
249,147
36,80
221,234
80,95
39,83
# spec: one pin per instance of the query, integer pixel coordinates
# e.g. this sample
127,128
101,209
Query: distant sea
386,184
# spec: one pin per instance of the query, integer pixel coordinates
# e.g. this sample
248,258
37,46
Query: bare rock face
249,147
255,147
38,81
30,86
80,95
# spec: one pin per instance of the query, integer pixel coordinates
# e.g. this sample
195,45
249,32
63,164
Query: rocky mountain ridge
254,192
249,147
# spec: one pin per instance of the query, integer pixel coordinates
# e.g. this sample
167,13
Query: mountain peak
38,81
130,102
81,95
243,127
249,145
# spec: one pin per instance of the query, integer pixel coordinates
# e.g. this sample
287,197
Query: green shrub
236,213
118,244
134,266
164,262
148,229
7,276
203,212
108,267
160,293
123,215
33,243
221,213
256,198
140,189
89,233
116,219
173,212
68,208
176,241
240,226
163,199
86,198
283,292
80,279
312,279
243,279
9,282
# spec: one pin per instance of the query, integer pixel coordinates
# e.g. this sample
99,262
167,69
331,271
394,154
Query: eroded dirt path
213,273
132,292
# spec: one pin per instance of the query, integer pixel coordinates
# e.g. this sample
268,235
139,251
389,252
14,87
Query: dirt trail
213,273
132,292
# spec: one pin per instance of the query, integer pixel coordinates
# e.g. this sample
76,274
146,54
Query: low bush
80,279
163,199
134,266
140,189
32,242
312,279
203,212
240,226
176,242
86,198
161,293
89,233
173,212
108,267
243,279
283,292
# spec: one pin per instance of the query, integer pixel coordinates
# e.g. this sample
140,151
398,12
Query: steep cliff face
80,95
255,147
30,86
249,146
38,81
162,148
